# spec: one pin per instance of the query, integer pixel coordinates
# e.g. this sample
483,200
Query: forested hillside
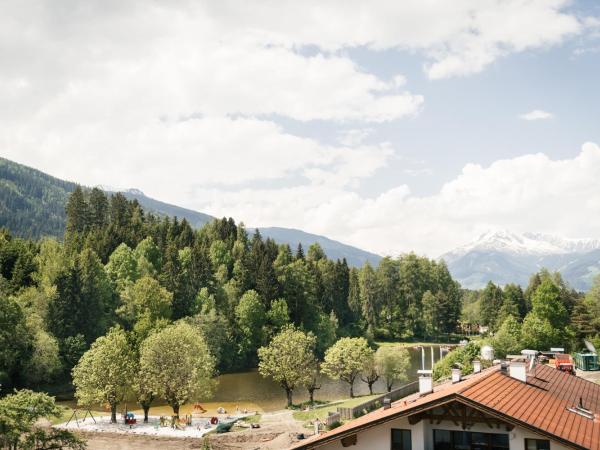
119,265
32,204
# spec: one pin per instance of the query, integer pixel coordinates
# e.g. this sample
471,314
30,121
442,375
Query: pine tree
171,275
491,302
368,296
388,279
341,290
77,212
299,251
97,295
514,295
354,293
98,209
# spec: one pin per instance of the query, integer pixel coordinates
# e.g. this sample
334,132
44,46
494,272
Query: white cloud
536,114
354,137
423,171
458,38
182,100
166,160
531,192
147,61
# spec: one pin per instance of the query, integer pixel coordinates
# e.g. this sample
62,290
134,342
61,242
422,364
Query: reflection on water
249,390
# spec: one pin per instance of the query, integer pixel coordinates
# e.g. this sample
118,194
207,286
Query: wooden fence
377,402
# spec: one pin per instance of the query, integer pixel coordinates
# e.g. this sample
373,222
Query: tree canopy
346,359
104,373
392,364
178,365
288,359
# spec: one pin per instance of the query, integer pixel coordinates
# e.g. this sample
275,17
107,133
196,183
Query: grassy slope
321,413
410,344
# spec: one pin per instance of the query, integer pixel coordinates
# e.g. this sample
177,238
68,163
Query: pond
249,390
267,395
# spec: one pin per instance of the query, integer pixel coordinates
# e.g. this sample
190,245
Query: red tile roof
541,405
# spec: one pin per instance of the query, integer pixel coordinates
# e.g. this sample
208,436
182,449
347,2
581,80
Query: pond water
249,390
252,387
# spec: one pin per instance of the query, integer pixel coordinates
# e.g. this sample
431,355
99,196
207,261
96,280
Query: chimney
425,381
476,366
387,403
517,369
456,375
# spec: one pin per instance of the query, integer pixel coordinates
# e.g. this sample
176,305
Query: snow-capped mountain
508,257
525,244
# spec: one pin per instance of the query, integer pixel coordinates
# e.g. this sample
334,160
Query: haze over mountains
507,257
32,204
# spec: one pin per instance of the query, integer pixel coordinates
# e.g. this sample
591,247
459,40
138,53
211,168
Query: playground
277,430
194,425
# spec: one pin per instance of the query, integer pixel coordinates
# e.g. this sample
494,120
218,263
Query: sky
392,126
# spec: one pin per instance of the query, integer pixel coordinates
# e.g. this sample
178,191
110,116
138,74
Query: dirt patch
115,441
278,431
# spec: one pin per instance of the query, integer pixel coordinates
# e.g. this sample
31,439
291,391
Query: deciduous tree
19,413
346,359
178,364
393,364
288,359
105,372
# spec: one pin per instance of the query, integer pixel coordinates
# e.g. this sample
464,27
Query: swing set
74,415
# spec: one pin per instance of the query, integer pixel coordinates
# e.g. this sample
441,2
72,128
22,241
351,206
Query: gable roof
540,405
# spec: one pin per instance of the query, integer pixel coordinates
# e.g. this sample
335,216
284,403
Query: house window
466,440
537,444
401,439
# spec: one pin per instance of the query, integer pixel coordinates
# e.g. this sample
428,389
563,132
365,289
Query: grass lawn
321,413
409,344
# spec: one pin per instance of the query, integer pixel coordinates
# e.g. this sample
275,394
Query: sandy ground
198,428
278,431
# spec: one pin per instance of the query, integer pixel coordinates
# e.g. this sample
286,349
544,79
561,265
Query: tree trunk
175,407
288,393
311,396
371,387
113,413
351,390
389,386
146,408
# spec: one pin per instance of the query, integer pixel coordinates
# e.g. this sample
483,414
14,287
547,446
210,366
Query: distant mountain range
32,204
507,257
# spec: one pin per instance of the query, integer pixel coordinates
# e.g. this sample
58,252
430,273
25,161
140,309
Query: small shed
586,361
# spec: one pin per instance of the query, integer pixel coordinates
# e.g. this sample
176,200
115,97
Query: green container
586,361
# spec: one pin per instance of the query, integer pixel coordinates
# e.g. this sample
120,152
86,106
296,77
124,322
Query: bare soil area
277,432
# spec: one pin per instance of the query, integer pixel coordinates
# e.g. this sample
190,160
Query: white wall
379,437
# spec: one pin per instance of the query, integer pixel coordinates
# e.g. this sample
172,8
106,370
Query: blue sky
395,126
476,118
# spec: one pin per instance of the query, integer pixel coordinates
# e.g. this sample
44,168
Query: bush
333,425
462,356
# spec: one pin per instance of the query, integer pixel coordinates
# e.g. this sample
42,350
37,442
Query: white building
497,409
